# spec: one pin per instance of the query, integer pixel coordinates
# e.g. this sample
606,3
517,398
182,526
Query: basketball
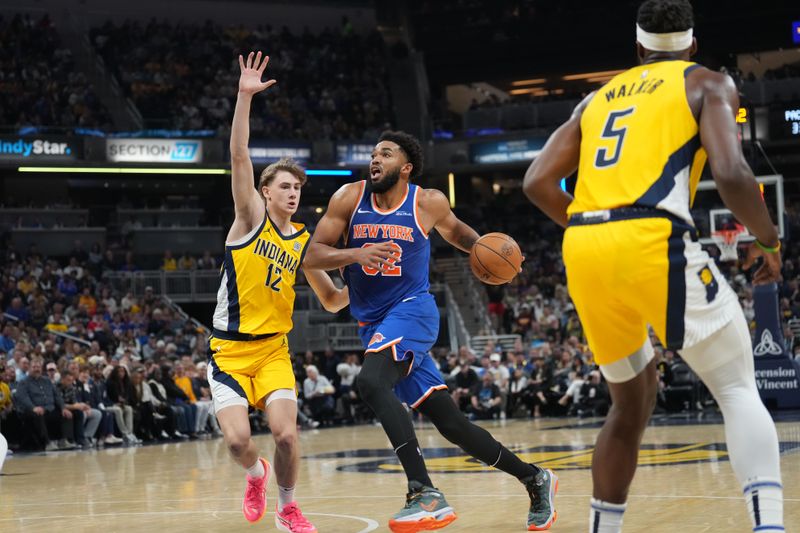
495,259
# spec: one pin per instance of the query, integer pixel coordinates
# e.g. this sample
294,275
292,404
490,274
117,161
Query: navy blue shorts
410,329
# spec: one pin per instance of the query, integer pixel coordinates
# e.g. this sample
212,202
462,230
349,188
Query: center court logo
455,461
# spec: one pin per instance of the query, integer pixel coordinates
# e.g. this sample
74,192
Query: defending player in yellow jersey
249,361
632,257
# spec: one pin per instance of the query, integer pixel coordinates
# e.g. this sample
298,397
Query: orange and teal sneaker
425,510
255,495
542,490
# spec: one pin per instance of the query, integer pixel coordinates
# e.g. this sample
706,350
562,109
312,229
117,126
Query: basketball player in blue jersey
633,260
249,362
399,323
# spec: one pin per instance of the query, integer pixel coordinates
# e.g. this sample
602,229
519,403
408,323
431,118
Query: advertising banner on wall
39,149
265,152
508,151
180,151
353,154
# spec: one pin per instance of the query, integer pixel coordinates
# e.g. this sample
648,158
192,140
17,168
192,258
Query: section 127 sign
154,150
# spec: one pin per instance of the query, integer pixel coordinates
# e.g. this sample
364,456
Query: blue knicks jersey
374,292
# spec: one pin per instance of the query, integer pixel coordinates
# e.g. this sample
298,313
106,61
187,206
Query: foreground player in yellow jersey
249,362
633,260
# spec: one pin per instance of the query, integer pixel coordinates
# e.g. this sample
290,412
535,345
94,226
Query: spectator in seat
43,412
162,406
186,262
318,393
178,399
465,381
203,407
85,420
348,370
120,393
485,402
18,310
169,264
207,262
94,394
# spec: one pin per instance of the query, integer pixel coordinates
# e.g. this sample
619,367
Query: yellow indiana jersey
256,293
640,143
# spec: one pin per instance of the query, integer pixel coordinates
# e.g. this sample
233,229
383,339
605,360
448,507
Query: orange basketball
495,259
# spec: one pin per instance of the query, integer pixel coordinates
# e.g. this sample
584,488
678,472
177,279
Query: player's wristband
769,249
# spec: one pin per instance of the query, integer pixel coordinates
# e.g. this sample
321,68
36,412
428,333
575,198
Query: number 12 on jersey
613,132
274,272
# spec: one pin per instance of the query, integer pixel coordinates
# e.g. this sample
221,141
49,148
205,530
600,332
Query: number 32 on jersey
393,269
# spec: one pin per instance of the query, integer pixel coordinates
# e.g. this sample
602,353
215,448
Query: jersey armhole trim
416,212
249,238
363,186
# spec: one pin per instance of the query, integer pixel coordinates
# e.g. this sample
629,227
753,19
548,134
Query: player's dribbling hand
770,269
377,255
252,70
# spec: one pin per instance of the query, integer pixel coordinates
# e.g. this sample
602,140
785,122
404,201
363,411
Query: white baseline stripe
371,524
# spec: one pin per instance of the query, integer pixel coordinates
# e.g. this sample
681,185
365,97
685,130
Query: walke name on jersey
387,231
646,86
276,254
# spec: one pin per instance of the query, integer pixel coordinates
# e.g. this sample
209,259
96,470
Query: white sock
3,450
606,517
257,470
765,503
285,497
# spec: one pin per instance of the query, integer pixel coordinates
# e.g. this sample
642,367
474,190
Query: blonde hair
287,165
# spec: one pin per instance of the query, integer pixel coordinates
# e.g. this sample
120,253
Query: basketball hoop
727,241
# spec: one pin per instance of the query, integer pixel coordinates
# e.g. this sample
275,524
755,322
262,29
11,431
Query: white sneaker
112,439
164,434
313,424
51,446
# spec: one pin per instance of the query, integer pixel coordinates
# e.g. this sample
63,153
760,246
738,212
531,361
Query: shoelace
411,496
253,490
293,514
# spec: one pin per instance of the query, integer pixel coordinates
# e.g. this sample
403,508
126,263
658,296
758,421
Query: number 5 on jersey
615,133
393,269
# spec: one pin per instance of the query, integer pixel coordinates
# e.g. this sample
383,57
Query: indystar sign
32,148
154,151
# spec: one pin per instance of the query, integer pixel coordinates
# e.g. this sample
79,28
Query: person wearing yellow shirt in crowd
187,262
5,409
203,406
26,284
88,300
169,263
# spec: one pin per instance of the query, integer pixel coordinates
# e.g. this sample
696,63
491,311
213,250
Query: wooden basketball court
351,482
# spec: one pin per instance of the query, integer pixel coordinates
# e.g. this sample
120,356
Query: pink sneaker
291,519
255,495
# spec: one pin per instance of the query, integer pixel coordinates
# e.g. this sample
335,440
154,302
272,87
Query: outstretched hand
252,70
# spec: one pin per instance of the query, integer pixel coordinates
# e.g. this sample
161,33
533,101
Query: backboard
711,215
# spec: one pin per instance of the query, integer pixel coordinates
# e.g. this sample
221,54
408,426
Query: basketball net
727,241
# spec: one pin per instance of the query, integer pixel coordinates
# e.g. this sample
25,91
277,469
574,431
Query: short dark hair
286,164
410,146
665,16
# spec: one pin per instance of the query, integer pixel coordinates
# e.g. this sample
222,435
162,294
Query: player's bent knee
285,438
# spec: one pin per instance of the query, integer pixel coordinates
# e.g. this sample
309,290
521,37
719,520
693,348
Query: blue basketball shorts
409,329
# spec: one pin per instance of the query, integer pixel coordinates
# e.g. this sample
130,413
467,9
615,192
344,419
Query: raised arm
557,160
322,255
436,206
332,299
248,204
737,185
